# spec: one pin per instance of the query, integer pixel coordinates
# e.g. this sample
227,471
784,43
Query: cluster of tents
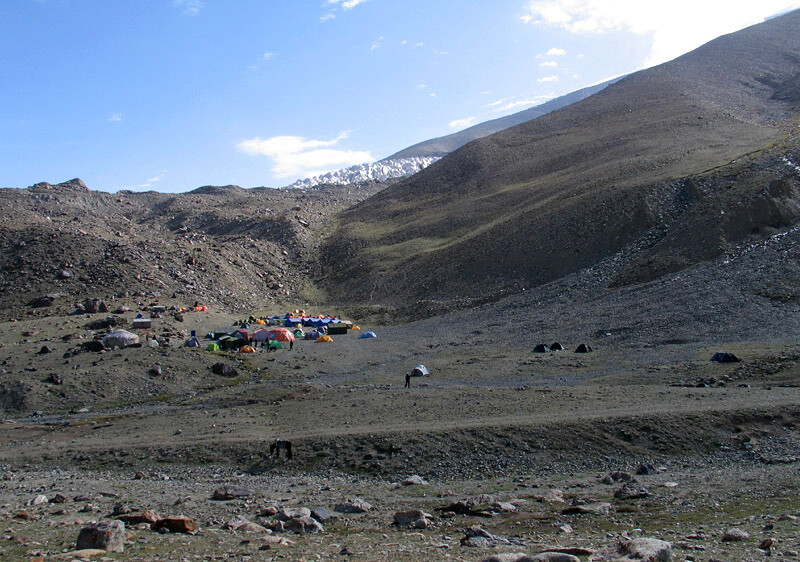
543,348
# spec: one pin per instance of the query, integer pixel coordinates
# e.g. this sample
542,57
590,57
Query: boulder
414,480
600,508
93,345
224,369
551,557
41,302
642,549
242,524
176,525
303,525
735,535
354,505
105,536
148,516
322,514
631,492
231,492
503,507
410,517
507,557
292,513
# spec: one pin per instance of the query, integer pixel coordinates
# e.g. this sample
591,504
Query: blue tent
366,335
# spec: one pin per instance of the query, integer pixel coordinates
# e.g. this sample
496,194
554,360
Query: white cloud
549,64
506,105
189,7
498,103
346,4
421,86
674,27
433,94
556,52
115,118
301,157
462,123
545,79
328,16
268,55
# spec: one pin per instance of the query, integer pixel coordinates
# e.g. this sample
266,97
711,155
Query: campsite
576,339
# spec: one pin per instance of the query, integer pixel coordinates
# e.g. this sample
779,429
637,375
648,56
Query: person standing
408,380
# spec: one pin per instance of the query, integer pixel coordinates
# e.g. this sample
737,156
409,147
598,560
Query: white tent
262,334
120,338
419,371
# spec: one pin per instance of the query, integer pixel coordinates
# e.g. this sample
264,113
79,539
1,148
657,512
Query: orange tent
247,349
281,334
324,338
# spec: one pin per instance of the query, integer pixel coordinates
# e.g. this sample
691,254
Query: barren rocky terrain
680,241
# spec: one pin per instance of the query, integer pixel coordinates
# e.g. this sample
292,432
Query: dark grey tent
583,348
556,347
725,357
541,348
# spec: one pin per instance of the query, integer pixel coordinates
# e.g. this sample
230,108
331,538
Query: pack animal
276,446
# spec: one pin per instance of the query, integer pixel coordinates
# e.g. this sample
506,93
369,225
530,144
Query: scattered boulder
354,505
735,534
38,500
241,523
507,557
503,507
303,525
600,508
414,480
553,495
631,492
231,492
224,369
156,370
106,536
55,378
148,516
176,525
476,536
322,514
93,346
45,349
120,339
649,549
41,302
618,476
645,469
551,557
409,517
288,513
93,306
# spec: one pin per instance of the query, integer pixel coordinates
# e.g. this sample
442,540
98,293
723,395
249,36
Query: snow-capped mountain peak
371,171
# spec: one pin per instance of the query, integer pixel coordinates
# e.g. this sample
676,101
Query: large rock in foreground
104,536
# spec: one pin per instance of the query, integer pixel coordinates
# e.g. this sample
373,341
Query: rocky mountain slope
223,246
441,146
674,163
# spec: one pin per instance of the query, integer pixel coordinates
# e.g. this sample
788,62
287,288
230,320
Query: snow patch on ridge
380,170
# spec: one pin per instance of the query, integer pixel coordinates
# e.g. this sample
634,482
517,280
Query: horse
276,446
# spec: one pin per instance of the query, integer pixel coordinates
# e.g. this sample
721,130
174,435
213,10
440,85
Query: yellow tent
247,349
324,337
259,321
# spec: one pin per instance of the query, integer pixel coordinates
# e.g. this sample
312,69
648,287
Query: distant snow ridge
380,170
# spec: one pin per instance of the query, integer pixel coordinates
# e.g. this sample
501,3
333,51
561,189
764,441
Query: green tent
212,347
275,345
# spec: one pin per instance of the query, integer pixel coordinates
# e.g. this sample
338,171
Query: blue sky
170,95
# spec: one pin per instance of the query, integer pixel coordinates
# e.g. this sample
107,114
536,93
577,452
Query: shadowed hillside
673,163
